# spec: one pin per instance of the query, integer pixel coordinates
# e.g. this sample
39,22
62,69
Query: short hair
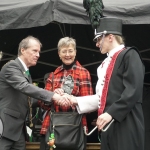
25,43
66,41
119,39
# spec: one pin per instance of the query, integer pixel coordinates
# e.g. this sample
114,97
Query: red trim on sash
106,84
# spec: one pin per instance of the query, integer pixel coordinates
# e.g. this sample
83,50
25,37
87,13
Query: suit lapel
30,79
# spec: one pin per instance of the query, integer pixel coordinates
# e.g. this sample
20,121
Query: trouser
7,144
125,135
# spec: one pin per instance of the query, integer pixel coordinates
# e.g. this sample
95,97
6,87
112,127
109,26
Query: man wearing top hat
119,89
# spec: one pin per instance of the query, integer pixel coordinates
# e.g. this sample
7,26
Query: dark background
87,54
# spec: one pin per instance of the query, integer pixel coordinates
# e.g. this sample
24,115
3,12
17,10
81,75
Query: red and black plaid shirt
82,87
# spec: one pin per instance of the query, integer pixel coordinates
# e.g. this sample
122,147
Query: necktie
27,72
29,76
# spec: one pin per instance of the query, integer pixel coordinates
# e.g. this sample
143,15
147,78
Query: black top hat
108,26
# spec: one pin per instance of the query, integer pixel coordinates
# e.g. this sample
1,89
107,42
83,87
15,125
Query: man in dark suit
16,88
119,90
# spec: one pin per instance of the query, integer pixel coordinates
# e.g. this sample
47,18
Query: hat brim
97,36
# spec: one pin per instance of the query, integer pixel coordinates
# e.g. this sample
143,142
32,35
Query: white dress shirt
91,103
24,65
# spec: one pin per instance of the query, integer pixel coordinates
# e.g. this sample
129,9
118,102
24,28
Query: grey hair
25,43
66,41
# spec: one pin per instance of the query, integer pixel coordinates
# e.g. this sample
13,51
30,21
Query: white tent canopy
132,12
31,13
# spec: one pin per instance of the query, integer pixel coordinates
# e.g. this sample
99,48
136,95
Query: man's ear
111,37
22,50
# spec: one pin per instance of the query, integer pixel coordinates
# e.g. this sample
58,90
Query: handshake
64,99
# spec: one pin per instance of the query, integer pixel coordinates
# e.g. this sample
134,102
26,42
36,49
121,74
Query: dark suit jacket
14,91
124,99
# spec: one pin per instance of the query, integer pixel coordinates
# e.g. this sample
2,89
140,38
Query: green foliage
94,9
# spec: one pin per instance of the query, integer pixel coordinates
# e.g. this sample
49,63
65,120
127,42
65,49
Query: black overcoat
124,104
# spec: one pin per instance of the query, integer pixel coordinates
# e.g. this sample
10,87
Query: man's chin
101,51
34,64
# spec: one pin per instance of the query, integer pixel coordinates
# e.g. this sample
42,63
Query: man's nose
38,54
97,44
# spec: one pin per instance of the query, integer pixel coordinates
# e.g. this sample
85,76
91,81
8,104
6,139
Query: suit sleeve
133,77
15,78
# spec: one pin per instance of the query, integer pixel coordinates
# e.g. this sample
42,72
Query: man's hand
59,91
63,100
102,120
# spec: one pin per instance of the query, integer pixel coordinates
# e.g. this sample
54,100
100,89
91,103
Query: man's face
103,44
67,54
31,54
